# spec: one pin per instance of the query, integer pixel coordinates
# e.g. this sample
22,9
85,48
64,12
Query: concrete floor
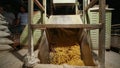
14,59
112,59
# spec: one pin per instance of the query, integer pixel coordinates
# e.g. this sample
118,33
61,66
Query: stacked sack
4,34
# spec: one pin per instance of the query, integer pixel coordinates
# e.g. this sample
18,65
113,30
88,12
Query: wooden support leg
102,33
102,47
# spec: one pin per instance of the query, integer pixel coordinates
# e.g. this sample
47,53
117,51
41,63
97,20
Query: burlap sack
5,47
2,27
4,34
5,41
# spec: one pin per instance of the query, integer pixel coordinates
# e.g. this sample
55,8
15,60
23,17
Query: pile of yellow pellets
66,54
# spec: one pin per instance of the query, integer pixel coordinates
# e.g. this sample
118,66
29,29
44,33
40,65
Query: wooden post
30,59
30,20
44,14
76,7
102,34
88,2
84,12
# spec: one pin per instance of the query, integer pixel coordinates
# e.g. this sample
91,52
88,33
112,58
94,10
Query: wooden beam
39,5
92,3
102,33
88,26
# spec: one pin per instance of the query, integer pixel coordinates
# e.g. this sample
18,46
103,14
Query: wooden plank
92,3
44,26
102,34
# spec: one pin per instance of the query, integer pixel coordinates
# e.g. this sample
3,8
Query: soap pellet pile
66,54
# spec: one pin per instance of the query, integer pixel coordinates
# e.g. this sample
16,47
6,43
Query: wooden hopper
53,36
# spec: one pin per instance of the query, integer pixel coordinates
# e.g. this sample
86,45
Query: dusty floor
14,59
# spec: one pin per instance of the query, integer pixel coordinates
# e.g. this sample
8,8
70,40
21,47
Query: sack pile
4,34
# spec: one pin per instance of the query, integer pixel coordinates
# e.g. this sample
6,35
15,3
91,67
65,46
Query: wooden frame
101,27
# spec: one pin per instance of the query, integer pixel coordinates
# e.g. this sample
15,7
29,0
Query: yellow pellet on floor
66,54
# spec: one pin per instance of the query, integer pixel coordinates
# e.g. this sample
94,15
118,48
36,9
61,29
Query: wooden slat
92,3
88,26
